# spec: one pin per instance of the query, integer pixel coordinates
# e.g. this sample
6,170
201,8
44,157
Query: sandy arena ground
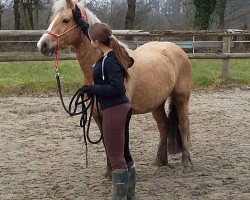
43,156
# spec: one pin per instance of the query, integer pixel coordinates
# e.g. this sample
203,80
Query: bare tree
1,12
26,13
237,13
16,14
220,9
117,14
131,14
27,7
130,17
232,13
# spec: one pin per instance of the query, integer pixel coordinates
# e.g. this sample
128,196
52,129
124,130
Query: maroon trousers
115,126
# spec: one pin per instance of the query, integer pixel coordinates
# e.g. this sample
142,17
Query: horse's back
179,60
166,52
157,46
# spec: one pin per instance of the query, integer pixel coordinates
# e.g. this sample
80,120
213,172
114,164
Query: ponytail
121,54
103,34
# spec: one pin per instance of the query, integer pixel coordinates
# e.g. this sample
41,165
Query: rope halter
57,45
58,37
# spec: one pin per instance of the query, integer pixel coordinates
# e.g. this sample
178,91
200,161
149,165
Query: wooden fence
140,37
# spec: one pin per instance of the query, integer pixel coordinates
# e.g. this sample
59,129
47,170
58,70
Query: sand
43,155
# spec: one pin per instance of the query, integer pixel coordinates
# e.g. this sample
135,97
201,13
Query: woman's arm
77,16
116,82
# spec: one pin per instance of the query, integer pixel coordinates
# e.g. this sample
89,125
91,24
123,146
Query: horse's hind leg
181,102
161,119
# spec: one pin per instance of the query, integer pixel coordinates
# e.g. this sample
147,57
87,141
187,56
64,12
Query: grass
38,77
34,78
207,73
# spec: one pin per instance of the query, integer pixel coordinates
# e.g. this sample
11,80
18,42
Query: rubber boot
120,182
132,180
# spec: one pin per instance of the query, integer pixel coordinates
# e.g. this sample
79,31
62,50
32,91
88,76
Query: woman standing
108,75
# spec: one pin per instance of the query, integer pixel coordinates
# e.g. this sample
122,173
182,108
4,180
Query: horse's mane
61,4
91,17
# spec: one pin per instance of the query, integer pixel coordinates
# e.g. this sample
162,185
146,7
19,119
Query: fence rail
225,44
21,33
39,57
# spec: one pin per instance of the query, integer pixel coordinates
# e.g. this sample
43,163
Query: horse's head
62,30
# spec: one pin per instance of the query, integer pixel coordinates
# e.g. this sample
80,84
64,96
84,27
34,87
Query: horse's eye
66,21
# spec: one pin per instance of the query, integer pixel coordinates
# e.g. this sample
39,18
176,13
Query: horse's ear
71,4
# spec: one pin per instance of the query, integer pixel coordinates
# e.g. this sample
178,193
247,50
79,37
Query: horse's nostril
44,46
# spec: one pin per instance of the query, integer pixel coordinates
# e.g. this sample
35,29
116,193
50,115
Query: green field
35,78
207,73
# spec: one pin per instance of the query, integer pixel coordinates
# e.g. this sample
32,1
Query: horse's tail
174,136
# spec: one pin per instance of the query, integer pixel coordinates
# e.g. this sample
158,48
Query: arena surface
43,156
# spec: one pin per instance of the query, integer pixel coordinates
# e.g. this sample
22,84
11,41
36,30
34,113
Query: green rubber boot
132,180
120,182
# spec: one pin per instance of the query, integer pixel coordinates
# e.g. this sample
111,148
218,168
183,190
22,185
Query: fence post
225,61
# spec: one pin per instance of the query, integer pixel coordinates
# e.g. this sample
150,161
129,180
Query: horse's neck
87,56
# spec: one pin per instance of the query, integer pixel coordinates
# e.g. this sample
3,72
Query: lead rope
76,100
85,120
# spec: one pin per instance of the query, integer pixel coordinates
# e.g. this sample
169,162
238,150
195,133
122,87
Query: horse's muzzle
46,50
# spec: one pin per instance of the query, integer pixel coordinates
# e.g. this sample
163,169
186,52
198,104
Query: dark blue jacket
108,76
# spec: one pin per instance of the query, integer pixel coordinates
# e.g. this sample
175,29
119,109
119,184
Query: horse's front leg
161,119
98,119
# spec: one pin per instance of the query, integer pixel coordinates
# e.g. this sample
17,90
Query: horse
161,72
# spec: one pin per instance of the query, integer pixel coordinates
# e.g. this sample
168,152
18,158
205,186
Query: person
109,73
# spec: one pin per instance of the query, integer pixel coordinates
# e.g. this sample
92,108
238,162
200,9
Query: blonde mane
61,4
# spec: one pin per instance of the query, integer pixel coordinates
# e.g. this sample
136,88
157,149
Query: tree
237,13
220,9
204,10
16,14
1,12
130,17
26,13
232,13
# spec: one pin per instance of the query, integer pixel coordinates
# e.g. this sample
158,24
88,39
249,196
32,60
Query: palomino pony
161,70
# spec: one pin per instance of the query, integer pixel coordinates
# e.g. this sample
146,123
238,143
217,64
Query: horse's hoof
159,163
107,174
188,169
187,165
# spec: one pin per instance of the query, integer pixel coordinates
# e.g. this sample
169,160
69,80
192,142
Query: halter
57,45
58,37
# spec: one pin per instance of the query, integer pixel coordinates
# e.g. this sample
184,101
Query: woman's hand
77,16
87,89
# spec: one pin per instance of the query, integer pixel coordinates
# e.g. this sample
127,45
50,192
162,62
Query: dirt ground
43,155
